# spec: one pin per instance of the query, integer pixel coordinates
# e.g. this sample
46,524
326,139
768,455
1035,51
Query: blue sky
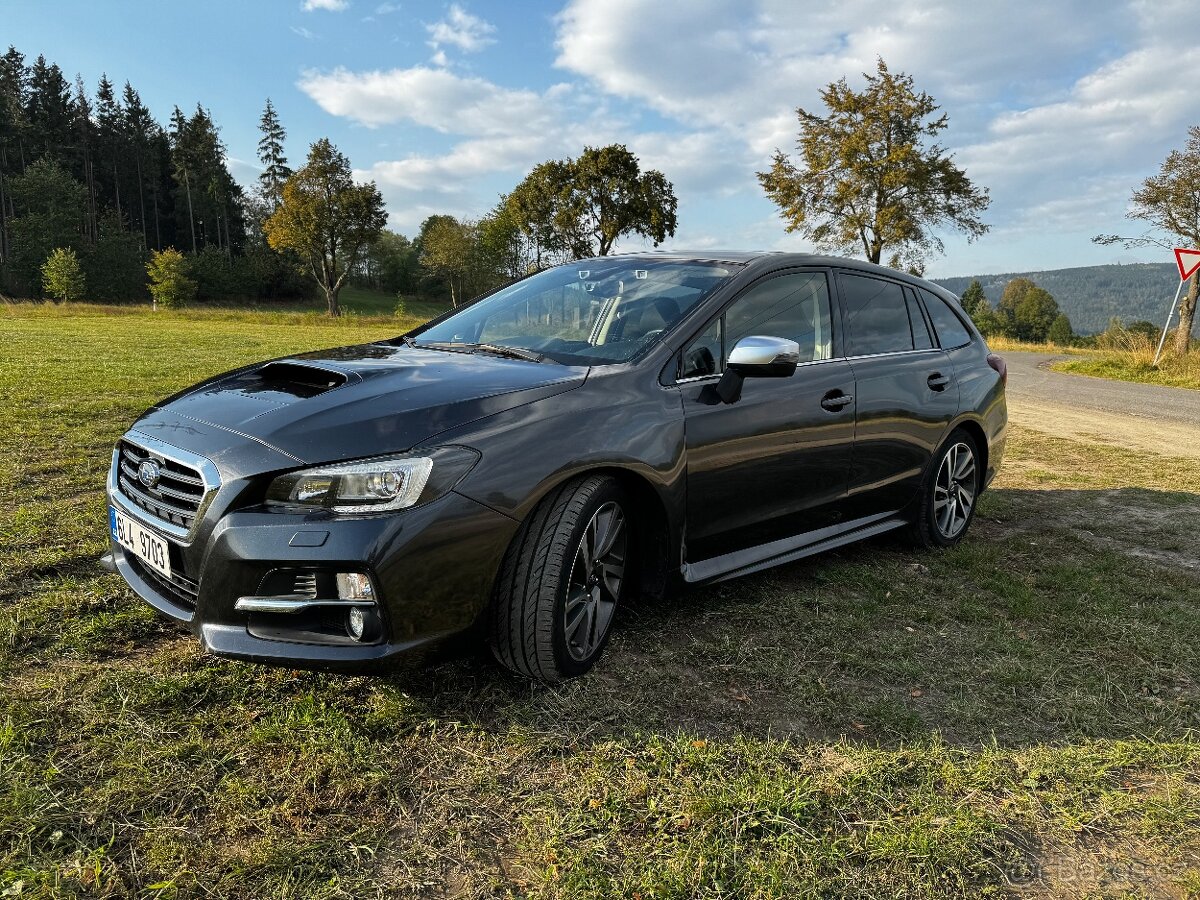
1059,109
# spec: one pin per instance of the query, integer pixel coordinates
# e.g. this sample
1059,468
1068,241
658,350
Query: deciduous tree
583,206
170,285
449,249
1170,202
872,176
327,219
62,276
1027,310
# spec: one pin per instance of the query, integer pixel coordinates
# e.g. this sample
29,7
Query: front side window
588,313
876,316
794,306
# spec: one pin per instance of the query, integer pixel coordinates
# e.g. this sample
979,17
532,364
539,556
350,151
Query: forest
94,172
1092,296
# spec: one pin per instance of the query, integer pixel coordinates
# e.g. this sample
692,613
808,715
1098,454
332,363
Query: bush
401,306
170,285
212,271
62,276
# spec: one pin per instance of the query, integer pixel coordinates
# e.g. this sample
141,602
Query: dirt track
1159,420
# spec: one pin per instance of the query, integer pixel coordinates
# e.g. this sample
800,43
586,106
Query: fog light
356,623
362,624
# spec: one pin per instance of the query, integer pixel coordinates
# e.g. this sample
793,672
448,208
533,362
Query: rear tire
949,493
562,580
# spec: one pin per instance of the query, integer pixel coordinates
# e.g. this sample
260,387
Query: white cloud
435,98
327,5
462,30
1058,108
497,132
385,9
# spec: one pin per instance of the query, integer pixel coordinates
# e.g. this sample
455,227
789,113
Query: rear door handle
937,381
834,401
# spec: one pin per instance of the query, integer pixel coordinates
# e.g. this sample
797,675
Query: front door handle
937,381
834,401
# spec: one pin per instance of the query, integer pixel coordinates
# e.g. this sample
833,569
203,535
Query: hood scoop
296,380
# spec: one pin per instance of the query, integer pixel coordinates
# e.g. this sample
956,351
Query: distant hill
1092,295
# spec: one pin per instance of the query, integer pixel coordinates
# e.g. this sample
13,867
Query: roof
781,257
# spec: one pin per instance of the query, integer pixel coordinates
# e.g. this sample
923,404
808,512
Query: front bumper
432,566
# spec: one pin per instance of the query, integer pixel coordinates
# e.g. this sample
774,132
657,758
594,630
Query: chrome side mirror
757,356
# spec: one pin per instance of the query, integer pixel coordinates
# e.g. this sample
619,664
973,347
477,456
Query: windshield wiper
510,352
444,346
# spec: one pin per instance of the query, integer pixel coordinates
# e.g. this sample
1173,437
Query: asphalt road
1031,382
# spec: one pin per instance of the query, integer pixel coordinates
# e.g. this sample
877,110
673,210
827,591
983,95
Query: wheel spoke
965,466
609,529
589,631
613,573
576,612
588,545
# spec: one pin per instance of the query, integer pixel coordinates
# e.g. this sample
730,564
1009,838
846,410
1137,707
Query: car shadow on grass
1054,621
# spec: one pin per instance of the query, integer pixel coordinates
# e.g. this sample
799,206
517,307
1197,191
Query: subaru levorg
522,465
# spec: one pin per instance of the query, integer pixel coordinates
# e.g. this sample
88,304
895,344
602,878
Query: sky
1059,108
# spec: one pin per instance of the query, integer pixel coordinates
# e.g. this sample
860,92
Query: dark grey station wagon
521,466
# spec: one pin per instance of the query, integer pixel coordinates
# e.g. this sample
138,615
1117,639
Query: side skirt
764,556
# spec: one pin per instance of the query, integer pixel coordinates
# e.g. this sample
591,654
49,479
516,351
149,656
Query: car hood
362,401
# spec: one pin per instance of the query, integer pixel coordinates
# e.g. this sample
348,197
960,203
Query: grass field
1130,358
1015,717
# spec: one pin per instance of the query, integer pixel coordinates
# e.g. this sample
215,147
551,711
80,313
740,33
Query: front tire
949,493
562,580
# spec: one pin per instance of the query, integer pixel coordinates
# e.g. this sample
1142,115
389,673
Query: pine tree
111,143
48,109
270,154
85,139
972,297
138,127
1060,331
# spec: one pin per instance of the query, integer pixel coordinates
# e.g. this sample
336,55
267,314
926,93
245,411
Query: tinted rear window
920,328
876,316
951,331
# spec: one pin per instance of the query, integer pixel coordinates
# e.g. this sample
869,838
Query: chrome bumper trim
292,604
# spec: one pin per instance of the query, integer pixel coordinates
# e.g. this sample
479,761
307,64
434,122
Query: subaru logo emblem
149,473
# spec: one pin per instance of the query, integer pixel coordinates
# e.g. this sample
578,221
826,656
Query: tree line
95,173
1025,312
100,200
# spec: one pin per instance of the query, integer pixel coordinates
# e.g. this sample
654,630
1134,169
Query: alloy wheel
954,491
597,573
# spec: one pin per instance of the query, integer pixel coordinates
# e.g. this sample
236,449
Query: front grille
175,499
178,587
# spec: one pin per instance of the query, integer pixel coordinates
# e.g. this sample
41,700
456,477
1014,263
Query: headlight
375,485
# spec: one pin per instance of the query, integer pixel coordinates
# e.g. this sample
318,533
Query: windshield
593,312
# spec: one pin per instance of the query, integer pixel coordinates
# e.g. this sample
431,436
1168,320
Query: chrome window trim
208,475
717,375
895,353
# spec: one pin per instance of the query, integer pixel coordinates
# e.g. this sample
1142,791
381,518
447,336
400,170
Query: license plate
144,544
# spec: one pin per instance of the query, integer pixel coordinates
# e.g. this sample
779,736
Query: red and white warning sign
1188,262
